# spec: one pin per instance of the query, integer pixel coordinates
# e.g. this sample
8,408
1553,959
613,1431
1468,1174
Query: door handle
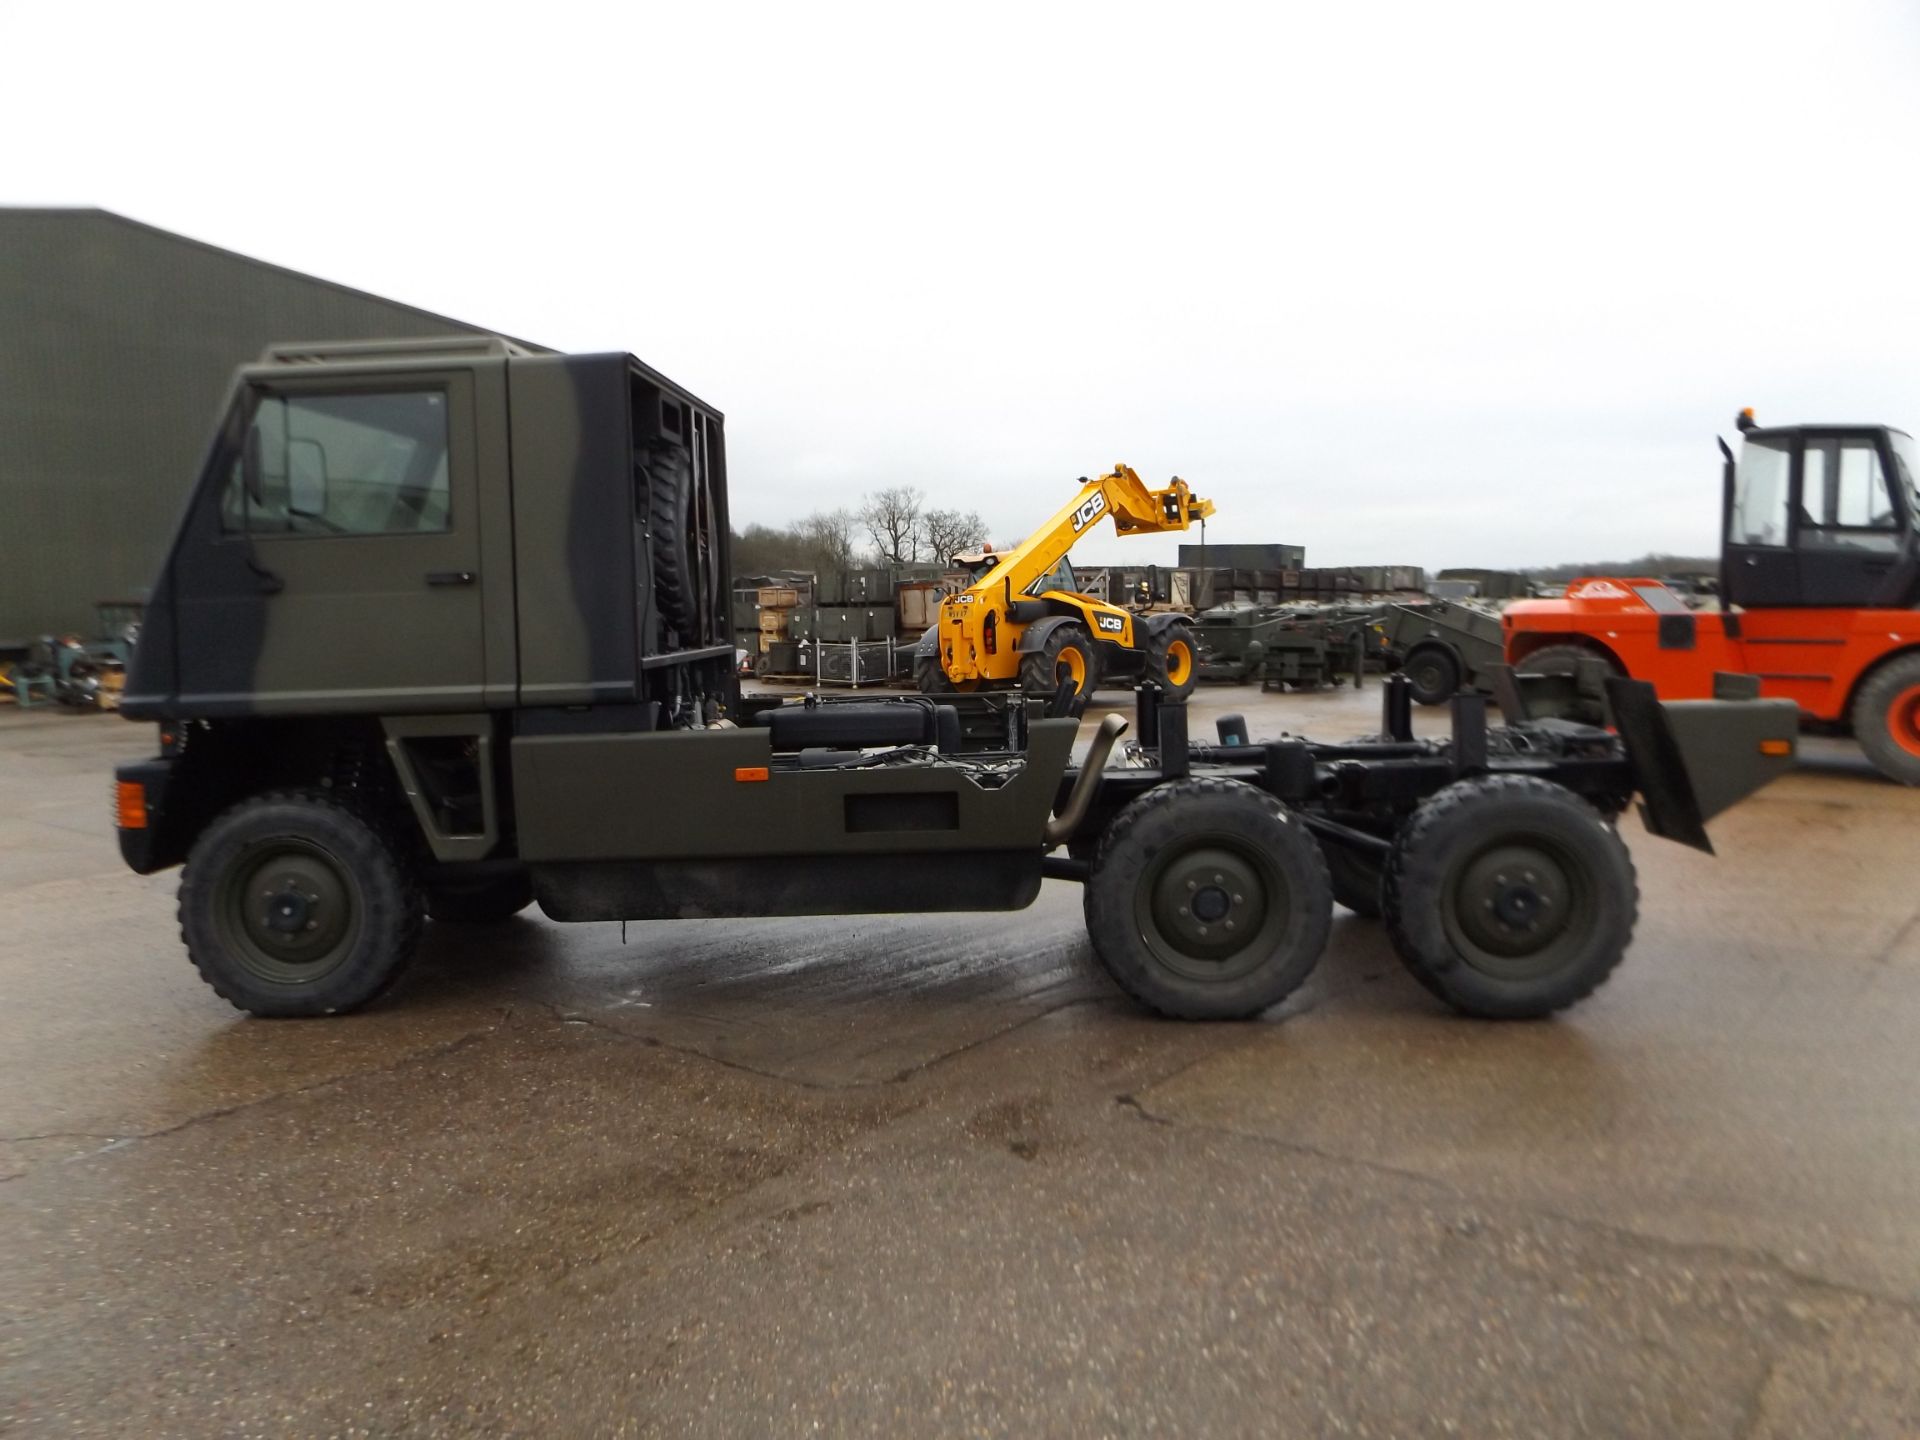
451,577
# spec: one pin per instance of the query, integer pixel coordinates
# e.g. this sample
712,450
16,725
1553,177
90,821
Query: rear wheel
1434,674
1886,719
1170,659
293,905
1509,897
1208,900
1066,654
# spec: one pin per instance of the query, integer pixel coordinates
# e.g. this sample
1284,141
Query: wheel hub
1209,903
1514,900
292,912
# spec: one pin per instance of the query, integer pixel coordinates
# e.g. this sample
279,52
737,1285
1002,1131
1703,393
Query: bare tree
828,537
893,520
949,532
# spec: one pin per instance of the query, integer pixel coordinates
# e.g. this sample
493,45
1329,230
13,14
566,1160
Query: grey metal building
116,343
1244,557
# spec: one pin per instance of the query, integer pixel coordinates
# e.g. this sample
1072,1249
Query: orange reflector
1776,747
132,805
745,773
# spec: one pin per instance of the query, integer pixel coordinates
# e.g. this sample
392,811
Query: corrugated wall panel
116,344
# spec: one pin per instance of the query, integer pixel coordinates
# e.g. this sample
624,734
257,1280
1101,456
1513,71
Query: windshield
1058,578
1907,457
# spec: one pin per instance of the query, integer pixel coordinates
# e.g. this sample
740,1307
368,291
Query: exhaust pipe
1061,827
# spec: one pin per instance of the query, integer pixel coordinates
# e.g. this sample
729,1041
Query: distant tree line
1655,565
894,526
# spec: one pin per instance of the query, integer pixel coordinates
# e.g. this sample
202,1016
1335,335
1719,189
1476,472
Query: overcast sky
1433,283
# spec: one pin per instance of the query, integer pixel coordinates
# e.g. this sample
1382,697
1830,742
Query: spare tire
678,547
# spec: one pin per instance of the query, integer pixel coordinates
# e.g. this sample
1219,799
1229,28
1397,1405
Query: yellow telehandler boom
1023,621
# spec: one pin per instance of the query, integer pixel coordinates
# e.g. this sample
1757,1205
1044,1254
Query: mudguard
1693,759
1034,638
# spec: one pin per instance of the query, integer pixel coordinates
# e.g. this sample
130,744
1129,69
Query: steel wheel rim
1427,674
1214,909
1179,662
1072,665
1903,720
288,911
1519,907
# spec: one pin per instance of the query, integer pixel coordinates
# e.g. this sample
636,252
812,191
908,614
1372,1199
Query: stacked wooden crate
777,604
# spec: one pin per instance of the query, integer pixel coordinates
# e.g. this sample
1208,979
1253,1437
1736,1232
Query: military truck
443,630
1441,646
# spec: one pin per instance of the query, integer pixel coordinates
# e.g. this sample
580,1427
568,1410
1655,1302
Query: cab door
345,572
1760,567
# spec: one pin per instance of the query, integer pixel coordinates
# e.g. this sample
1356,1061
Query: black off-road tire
672,516
1433,673
1886,719
298,856
479,902
1040,671
929,676
1564,660
1173,659
1356,878
1510,897
1243,856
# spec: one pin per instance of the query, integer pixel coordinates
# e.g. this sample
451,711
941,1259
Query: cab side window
349,464
1760,494
1845,500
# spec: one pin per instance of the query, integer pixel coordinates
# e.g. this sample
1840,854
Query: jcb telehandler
1023,621
443,631
1819,589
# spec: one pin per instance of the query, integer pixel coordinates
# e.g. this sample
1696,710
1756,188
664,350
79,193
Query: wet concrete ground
923,1176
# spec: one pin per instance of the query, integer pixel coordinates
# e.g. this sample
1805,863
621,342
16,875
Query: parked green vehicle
1442,647
444,630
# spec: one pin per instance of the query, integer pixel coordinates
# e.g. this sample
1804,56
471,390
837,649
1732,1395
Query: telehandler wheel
1886,719
1356,878
932,679
1509,897
1208,900
1171,662
1067,654
1434,674
479,902
293,905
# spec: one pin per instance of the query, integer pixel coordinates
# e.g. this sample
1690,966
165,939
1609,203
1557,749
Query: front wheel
1170,659
1434,674
1886,719
1066,654
293,905
1509,897
1208,900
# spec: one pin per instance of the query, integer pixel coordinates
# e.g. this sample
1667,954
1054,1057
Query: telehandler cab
1819,589
1022,622
443,631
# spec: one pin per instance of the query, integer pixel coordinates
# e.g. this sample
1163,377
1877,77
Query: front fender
1034,638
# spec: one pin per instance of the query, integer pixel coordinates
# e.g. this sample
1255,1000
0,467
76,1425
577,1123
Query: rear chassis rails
1210,869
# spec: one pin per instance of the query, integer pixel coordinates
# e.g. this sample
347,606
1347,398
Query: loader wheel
479,902
1066,654
293,905
931,678
682,538
1208,900
1170,660
1563,660
1434,674
1509,897
1356,878
1886,719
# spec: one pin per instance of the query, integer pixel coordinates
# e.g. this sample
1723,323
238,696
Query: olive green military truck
443,630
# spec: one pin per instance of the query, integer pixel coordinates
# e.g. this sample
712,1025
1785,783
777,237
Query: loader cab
1821,515
1059,578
